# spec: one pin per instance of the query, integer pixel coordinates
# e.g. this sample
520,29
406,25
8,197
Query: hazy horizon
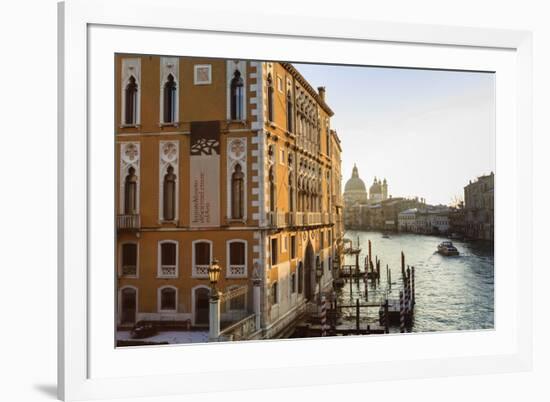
428,132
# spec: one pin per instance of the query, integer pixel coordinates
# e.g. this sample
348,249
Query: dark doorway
128,306
202,303
309,264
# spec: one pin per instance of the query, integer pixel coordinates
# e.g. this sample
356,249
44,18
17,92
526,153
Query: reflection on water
452,293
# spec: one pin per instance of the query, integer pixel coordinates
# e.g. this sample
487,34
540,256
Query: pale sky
427,132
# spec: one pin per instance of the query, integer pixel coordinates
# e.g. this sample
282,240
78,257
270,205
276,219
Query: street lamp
214,275
214,307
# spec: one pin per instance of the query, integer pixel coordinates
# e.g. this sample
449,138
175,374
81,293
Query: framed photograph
244,203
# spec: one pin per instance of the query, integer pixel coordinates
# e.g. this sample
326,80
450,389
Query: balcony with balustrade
277,219
128,222
129,270
236,271
296,219
168,271
299,219
312,218
200,270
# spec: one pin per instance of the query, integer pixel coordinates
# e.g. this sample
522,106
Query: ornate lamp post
214,275
214,316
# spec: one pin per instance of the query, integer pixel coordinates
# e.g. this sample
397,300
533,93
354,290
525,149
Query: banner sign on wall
205,174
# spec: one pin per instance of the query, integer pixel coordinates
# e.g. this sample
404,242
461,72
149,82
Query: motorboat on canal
446,248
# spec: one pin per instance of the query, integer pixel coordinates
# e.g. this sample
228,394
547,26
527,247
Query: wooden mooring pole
357,268
401,313
386,317
370,253
407,301
335,314
357,309
373,279
402,264
413,290
323,316
350,279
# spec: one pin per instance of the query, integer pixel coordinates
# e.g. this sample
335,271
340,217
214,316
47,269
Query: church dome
376,187
355,183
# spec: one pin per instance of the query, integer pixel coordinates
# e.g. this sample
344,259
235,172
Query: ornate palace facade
226,159
479,208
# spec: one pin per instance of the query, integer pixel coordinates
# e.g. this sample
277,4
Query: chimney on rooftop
322,92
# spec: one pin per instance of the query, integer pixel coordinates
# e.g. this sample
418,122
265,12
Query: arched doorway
201,306
128,306
309,274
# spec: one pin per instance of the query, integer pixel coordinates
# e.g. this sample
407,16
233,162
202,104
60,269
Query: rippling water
452,293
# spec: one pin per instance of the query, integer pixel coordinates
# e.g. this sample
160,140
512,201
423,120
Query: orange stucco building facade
227,159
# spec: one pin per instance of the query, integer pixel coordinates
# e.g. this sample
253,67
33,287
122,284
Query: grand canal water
452,293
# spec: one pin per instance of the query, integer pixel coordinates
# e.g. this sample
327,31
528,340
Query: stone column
257,303
214,318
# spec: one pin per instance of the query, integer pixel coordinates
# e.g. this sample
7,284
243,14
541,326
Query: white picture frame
89,369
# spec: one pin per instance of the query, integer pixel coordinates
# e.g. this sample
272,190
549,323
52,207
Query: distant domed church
355,191
374,210
361,209
378,191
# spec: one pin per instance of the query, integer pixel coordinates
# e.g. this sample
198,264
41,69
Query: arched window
129,259
200,296
300,277
169,195
168,299
290,192
274,293
327,130
237,193
236,257
289,112
168,259
202,257
237,96
130,192
131,101
270,94
128,305
169,100
272,189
